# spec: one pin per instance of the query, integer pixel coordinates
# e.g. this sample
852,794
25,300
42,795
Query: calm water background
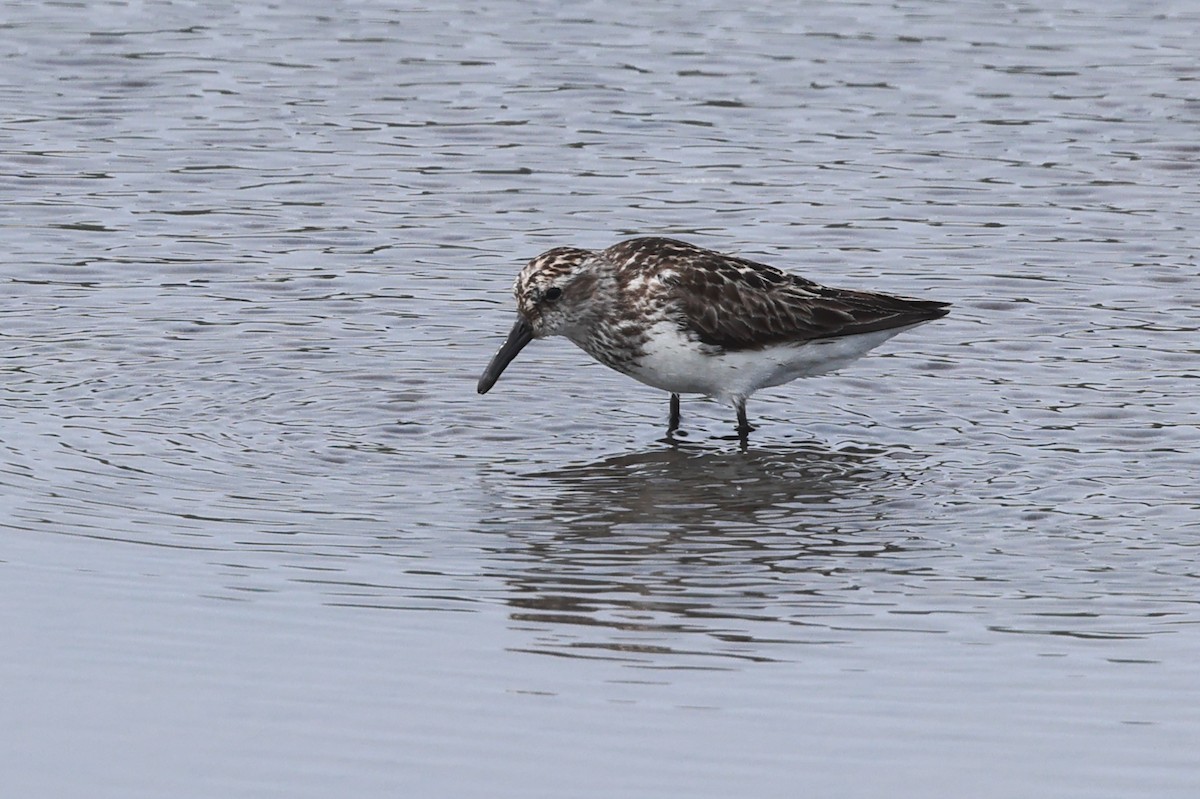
259,536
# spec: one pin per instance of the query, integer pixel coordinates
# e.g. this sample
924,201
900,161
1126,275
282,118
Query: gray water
260,537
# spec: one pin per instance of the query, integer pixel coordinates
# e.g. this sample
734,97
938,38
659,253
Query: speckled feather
689,320
737,304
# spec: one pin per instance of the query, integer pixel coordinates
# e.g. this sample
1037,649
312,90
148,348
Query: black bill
520,335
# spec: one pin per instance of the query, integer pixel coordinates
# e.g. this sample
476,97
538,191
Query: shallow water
261,537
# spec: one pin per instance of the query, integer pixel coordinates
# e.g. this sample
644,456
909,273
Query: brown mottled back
738,304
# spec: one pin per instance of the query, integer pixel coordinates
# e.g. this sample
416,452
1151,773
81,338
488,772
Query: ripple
254,266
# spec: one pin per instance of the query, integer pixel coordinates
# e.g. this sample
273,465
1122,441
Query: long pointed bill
520,335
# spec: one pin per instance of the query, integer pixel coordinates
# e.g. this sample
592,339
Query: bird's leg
673,419
743,428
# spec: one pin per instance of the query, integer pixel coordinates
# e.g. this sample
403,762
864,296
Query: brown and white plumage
689,320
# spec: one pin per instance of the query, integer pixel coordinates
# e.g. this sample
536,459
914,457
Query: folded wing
738,304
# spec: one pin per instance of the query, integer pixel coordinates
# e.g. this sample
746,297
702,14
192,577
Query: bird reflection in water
620,557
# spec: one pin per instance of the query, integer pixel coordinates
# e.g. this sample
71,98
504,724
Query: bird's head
552,294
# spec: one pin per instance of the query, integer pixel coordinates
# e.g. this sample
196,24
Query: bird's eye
552,294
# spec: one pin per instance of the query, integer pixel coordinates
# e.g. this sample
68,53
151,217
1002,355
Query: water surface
260,537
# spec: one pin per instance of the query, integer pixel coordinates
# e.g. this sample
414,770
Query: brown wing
738,304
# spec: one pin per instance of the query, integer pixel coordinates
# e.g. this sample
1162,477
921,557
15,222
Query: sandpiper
693,321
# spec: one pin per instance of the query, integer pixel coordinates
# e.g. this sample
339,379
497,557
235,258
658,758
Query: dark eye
553,293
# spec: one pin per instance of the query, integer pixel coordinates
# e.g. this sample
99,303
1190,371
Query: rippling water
260,537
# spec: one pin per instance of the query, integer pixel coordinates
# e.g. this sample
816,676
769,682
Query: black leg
743,427
673,420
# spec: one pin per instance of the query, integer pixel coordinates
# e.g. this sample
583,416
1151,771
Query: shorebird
688,320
